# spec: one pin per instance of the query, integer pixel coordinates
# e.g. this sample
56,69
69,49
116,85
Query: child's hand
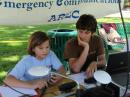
54,79
39,84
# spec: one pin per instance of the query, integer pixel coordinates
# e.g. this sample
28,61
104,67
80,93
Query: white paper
79,77
8,92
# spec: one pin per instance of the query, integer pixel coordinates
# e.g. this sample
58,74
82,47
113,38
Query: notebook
117,67
117,63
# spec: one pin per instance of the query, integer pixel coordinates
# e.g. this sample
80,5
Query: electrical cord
127,43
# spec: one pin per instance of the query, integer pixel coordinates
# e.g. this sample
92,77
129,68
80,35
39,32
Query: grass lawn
13,42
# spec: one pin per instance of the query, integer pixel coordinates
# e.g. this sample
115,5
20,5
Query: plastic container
59,38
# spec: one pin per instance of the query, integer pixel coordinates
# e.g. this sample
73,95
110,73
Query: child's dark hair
87,22
37,38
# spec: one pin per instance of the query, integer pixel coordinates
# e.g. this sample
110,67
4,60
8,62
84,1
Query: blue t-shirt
20,71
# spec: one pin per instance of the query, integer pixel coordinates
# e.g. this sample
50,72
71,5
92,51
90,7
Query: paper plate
102,77
39,71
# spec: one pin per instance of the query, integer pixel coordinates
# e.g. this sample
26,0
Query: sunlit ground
113,20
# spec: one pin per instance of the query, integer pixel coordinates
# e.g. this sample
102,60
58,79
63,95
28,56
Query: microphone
66,87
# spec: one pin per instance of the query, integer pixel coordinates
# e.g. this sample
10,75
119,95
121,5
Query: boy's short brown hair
87,22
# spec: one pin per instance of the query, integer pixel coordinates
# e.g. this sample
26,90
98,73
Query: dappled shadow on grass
10,55
23,32
13,42
7,48
1,80
5,67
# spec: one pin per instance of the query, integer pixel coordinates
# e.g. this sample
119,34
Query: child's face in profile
41,51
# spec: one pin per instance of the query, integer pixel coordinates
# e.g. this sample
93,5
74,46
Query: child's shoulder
51,52
27,57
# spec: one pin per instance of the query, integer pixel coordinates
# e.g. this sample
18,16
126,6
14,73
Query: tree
126,3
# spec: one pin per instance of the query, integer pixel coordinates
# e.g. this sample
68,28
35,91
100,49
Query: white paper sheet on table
8,92
79,77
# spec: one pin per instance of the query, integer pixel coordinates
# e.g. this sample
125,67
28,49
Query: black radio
109,90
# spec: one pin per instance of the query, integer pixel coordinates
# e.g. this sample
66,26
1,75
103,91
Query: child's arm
34,84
